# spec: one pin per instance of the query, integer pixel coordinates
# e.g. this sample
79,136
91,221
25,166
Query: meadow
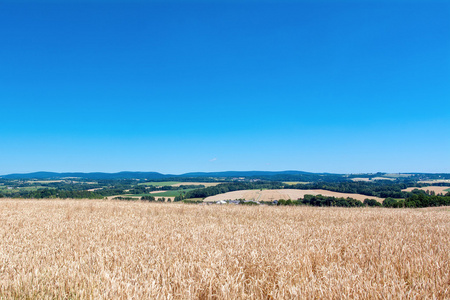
160,183
171,193
6,191
178,183
101,249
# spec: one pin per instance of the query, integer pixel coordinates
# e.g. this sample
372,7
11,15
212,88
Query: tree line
54,193
418,198
414,200
319,200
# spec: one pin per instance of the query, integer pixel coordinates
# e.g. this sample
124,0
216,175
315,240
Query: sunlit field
111,249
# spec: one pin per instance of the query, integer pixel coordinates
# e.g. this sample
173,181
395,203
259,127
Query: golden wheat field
121,250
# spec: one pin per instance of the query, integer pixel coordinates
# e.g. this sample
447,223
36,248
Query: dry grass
107,249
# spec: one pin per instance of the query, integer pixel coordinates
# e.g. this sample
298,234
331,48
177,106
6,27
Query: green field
447,190
5,189
170,193
160,183
167,193
161,194
44,181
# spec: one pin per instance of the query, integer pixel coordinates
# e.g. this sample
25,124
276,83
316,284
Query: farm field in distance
179,183
120,249
206,184
271,195
160,183
157,194
436,189
7,190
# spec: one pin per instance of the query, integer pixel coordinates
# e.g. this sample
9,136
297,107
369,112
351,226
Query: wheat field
85,249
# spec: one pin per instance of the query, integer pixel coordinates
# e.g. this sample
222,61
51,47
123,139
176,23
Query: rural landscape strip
269,188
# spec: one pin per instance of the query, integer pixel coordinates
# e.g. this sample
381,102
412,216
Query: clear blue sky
179,86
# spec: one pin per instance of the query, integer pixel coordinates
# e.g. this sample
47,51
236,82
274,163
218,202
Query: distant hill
149,175
96,175
242,173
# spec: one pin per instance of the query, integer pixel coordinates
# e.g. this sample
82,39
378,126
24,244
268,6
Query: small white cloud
214,159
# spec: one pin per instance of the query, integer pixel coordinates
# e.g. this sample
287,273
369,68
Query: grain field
84,249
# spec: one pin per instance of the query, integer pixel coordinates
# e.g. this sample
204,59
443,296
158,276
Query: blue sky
180,86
